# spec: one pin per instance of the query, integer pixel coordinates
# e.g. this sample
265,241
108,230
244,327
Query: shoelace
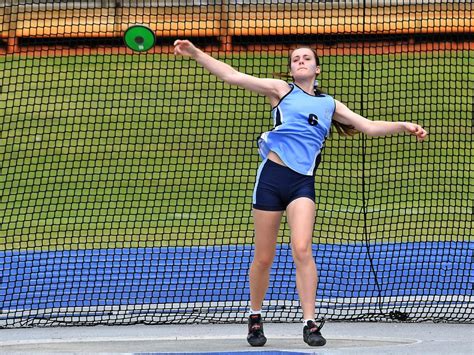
255,327
318,328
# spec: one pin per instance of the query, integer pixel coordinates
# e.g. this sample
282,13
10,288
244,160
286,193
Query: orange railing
226,21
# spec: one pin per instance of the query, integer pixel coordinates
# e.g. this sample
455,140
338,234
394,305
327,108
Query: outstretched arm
376,128
272,88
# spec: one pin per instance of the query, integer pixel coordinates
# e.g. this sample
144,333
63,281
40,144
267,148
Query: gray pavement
365,338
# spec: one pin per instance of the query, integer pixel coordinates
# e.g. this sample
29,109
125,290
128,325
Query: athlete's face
303,64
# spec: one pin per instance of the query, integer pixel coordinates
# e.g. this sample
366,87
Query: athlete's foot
255,336
312,334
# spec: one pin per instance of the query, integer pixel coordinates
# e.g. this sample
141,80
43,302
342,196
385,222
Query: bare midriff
275,158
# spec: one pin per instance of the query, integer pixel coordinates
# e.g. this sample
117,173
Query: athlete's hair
342,129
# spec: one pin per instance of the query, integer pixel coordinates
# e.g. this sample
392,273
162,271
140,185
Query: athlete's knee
262,262
302,252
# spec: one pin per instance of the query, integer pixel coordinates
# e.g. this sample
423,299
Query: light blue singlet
302,123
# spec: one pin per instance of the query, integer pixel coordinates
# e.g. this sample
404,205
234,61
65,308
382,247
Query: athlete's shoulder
290,87
287,90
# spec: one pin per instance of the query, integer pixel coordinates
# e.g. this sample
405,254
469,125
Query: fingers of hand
417,131
179,46
421,134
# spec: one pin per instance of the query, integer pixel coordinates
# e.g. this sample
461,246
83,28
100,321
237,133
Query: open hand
185,48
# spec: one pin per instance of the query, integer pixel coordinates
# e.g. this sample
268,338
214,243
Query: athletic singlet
302,123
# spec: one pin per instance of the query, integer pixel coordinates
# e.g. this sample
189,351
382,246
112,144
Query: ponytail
344,129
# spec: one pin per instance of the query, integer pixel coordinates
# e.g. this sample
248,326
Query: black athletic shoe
312,334
256,336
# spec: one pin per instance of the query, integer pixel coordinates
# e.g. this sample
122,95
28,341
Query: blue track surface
98,277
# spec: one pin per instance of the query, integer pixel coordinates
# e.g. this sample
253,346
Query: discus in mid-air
139,38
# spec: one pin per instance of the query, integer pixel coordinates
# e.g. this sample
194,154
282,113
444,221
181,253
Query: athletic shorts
277,186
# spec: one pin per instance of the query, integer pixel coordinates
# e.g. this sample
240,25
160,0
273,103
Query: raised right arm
274,89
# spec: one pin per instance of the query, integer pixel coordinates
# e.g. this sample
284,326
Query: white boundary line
184,338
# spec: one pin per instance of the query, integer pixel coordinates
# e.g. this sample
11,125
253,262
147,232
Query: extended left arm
376,128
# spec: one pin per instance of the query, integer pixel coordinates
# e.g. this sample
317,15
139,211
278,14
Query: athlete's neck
306,86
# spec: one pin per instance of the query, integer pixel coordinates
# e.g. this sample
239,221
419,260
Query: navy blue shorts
277,186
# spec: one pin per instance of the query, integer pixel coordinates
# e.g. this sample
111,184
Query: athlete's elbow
380,128
370,132
368,128
375,132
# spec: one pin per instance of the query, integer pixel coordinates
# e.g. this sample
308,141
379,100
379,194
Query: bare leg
301,215
267,225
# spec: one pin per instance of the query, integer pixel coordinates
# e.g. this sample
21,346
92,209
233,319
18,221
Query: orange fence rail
226,21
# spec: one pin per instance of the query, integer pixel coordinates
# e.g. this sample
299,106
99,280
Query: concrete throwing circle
181,344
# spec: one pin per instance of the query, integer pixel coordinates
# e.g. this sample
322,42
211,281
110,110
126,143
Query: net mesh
127,178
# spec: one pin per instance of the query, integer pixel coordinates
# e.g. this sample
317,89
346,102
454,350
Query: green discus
139,38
